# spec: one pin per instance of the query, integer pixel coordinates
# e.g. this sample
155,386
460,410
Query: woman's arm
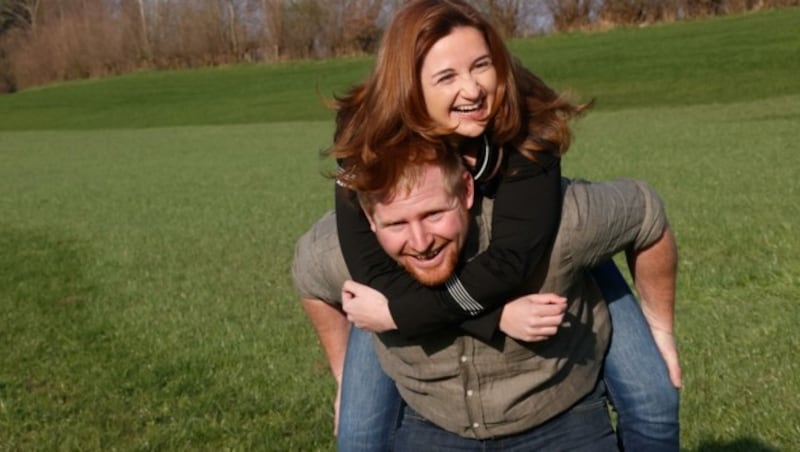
526,213
525,218
368,264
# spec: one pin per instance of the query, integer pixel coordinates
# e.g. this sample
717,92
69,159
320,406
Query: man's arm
333,330
654,270
601,219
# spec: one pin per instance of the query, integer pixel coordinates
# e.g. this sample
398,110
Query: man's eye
396,227
435,216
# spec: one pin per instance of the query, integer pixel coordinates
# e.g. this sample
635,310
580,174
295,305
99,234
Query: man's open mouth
428,256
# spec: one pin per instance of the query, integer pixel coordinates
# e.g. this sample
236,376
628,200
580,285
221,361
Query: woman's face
459,81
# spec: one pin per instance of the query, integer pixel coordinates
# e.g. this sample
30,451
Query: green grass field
148,223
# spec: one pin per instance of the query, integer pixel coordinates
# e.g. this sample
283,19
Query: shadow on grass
40,270
739,445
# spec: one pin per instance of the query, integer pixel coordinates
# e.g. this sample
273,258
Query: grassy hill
148,223
724,60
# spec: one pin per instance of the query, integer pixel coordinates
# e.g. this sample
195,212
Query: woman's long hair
381,113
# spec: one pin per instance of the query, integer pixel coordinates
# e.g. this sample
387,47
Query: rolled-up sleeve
600,219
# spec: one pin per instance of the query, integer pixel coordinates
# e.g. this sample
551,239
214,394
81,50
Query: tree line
47,41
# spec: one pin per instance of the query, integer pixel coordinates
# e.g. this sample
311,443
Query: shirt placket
472,389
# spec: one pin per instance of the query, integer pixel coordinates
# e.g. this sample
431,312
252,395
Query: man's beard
433,276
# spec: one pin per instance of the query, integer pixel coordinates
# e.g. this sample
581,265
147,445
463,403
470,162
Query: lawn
148,223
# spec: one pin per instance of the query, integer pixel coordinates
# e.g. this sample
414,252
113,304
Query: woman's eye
483,63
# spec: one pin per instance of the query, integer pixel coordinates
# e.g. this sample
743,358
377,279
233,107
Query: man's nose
420,240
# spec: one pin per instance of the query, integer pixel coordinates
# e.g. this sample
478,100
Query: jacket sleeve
524,220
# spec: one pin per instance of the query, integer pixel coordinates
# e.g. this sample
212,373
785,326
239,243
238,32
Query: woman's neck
469,148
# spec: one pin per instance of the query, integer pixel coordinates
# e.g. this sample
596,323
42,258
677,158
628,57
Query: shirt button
469,392
463,359
476,425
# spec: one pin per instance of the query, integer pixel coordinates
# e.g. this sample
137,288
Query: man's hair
406,177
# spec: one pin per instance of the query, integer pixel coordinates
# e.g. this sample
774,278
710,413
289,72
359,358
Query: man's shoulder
599,219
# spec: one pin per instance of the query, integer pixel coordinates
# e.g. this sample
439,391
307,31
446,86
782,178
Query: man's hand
665,341
534,317
666,345
366,308
336,404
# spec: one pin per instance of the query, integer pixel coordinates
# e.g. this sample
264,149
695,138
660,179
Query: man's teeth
427,256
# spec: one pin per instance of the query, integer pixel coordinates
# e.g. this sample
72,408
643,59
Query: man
458,389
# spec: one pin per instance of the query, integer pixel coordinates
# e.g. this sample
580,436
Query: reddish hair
404,178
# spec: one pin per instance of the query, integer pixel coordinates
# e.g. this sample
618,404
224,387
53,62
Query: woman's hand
366,308
534,317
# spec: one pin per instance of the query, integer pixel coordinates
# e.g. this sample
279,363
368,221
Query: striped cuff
462,297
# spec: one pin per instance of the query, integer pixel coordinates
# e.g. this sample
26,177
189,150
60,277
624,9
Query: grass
244,94
725,60
148,223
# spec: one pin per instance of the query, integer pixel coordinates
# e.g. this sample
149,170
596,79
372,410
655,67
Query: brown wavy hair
377,116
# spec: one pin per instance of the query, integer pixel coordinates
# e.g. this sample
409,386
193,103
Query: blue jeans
370,407
635,376
585,427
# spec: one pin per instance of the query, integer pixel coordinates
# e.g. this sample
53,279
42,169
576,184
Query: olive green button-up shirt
484,390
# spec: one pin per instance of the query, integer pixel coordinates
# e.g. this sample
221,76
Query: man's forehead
428,193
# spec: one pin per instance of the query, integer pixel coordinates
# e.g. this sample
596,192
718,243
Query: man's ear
469,189
369,218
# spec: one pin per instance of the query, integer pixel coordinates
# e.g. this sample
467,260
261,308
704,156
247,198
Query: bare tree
570,14
19,13
639,11
143,31
506,15
357,25
273,11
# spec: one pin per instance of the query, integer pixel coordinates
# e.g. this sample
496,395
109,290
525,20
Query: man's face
425,229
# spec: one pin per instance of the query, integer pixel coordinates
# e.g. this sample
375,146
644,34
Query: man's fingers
675,375
669,351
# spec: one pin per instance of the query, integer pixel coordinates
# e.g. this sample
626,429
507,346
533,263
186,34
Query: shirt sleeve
603,218
524,222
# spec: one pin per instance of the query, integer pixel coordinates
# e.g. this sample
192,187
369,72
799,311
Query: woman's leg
635,373
369,408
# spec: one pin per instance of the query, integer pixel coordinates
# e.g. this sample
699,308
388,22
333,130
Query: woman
444,73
